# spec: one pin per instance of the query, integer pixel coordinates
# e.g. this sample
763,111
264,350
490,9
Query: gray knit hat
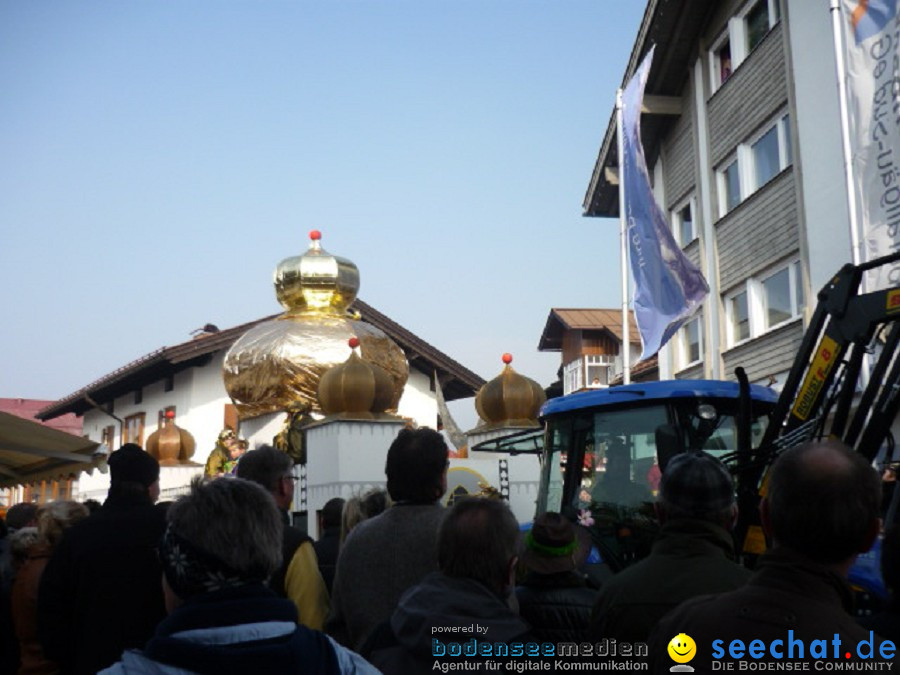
696,483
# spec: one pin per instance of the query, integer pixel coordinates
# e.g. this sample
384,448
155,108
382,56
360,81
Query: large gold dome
510,399
276,365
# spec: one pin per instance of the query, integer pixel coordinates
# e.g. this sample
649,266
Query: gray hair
264,466
232,519
477,539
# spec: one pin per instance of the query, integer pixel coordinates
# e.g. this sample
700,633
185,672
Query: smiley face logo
682,648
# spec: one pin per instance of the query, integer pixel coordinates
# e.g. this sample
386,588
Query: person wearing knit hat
554,596
100,592
692,555
131,465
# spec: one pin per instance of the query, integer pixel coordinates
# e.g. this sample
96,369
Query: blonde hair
361,507
55,517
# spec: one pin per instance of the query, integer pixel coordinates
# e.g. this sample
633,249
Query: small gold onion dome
276,365
510,399
171,445
355,388
316,281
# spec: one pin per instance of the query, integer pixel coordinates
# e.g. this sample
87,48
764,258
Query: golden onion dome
316,281
277,364
510,399
171,445
355,388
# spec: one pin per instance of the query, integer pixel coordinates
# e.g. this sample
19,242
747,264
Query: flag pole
849,178
855,239
623,243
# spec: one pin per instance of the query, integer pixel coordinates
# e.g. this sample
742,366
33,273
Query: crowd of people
219,581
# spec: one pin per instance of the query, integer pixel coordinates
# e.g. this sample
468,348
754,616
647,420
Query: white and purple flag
871,37
668,287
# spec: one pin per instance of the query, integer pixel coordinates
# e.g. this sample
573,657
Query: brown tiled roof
457,381
642,371
609,320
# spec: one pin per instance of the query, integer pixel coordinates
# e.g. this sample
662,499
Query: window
755,163
588,372
683,228
690,343
133,430
739,317
764,302
598,369
722,61
741,36
108,437
572,377
730,185
757,23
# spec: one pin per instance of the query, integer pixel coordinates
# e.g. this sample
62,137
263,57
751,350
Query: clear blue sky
158,159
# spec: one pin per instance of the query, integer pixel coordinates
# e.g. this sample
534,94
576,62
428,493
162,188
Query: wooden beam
611,174
9,472
661,105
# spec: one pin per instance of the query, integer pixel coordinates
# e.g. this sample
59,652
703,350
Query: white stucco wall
819,138
199,398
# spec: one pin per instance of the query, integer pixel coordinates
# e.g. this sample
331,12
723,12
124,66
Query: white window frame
599,360
746,166
678,224
780,123
736,34
756,302
573,376
715,67
731,338
683,345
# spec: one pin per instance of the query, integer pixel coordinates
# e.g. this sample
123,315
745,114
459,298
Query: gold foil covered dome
355,388
316,281
510,399
276,365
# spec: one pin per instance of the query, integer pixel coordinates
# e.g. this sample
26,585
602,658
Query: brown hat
555,545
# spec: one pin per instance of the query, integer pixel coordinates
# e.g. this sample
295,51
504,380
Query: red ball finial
507,358
315,235
353,342
170,414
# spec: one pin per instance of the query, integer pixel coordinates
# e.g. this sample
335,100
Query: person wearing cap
692,555
820,510
554,597
222,542
100,592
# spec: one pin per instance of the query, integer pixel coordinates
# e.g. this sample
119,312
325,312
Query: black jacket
440,609
327,549
558,606
291,540
101,591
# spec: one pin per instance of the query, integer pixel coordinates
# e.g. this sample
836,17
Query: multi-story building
590,344
742,138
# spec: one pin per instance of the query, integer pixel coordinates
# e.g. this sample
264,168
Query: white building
742,137
128,404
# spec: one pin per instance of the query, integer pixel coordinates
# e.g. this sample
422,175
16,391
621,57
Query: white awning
30,452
